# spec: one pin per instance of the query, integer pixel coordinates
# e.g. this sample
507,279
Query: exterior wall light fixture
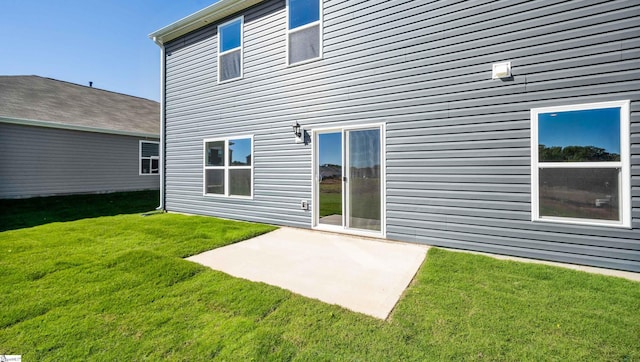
297,130
299,133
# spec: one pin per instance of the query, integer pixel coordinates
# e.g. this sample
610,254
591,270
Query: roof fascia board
35,123
206,16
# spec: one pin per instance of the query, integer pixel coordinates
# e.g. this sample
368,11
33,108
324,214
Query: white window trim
226,167
149,158
302,27
241,47
624,186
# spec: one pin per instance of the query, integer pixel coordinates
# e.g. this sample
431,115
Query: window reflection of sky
330,148
592,127
364,148
230,36
302,12
240,150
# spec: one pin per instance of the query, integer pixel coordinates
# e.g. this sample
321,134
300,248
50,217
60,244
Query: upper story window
304,30
580,164
149,158
230,50
228,169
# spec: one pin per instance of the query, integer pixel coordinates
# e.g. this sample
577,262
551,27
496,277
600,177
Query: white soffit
208,15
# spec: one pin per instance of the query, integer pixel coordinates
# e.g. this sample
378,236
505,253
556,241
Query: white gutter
73,127
208,15
162,127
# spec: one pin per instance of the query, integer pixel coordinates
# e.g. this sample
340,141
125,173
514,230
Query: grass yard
116,288
21,213
330,197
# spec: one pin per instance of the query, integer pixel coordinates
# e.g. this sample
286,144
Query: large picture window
304,30
580,164
149,158
230,50
228,167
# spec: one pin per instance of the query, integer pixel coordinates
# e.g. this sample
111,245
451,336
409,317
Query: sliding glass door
363,180
329,177
349,179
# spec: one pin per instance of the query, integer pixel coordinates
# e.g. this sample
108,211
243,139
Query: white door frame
344,228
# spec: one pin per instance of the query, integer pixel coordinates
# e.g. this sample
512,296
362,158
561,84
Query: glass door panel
363,182
329,175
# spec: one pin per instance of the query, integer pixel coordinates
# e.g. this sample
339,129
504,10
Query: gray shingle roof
49,100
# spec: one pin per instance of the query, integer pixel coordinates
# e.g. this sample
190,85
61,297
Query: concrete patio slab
361,274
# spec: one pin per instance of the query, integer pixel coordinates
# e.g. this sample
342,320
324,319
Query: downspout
162,123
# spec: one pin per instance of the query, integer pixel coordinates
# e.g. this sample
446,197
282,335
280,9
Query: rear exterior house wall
42,161
458,153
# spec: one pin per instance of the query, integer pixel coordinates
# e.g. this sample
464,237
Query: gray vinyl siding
38,161
457,142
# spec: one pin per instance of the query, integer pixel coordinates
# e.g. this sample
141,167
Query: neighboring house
510,127
59,138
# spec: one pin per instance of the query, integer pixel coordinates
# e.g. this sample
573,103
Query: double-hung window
228,167
149,158
230,50
580,164
304,30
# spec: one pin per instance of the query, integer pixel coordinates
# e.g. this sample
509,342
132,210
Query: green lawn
366,204
21,213
330,197
116,288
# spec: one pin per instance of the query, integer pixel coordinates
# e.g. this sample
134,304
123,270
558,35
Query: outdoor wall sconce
299,133
296,130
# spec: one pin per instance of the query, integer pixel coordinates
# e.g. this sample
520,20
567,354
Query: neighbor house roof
210,14
46,102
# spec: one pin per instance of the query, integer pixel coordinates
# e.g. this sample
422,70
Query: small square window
228,167
149,158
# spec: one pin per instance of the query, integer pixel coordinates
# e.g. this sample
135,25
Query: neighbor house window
580,164
228,166
304,30
230,50
149,158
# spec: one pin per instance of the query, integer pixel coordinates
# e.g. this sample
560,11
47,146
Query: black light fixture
296,130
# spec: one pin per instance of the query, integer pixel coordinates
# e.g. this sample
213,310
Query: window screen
304,44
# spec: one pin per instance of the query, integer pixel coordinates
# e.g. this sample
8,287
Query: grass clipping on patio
116,288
